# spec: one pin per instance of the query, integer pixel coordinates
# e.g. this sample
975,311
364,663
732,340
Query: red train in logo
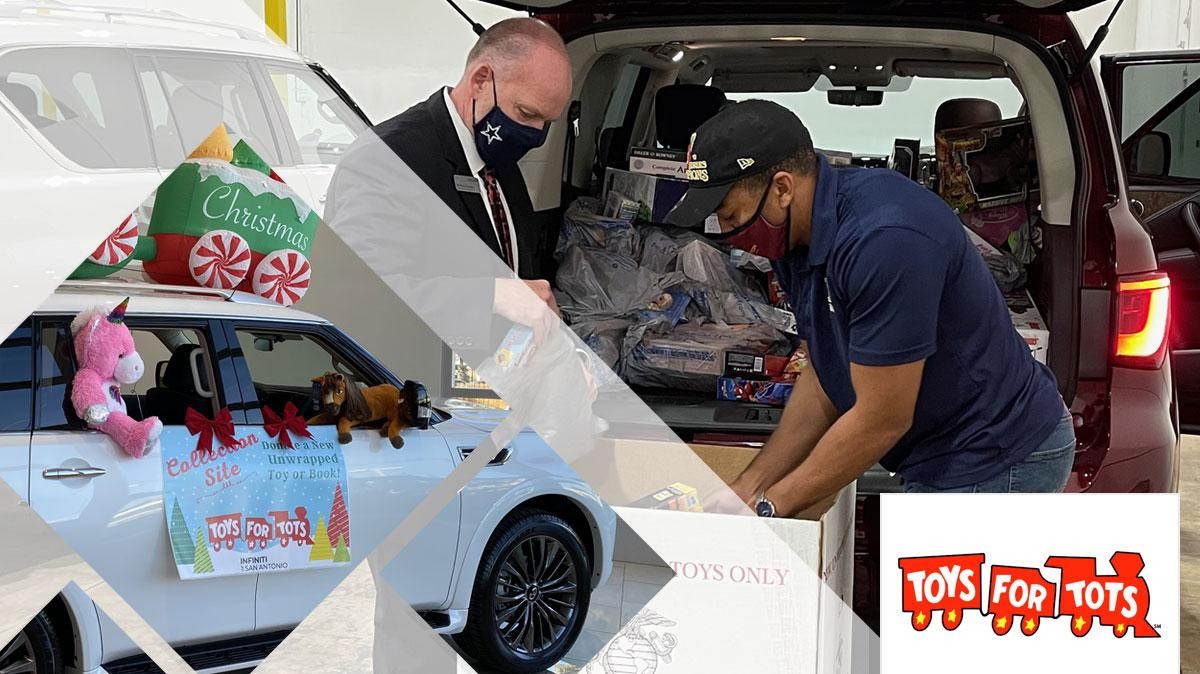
259,532
1120,601
292,529
224,530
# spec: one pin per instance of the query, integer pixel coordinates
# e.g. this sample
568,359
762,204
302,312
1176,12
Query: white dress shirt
466,137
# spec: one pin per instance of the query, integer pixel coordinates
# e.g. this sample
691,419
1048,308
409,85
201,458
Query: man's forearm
851,446
807,416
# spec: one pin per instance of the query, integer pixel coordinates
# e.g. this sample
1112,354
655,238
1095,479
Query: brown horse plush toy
348,405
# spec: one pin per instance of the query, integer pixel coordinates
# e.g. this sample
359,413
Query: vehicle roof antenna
1094,45
478,28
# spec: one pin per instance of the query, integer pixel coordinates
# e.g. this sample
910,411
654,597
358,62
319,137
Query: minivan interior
859,89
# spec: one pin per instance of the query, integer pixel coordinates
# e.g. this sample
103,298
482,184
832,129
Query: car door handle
63,473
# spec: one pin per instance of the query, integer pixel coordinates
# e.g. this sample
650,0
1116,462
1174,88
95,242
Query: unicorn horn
117,315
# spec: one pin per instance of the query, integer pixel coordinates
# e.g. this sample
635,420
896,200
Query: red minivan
1116,219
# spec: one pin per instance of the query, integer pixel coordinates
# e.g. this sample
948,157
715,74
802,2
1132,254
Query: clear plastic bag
583,226
700,261
1006,269
600,282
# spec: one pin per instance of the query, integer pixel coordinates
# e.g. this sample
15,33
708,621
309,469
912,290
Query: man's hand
731,501
525,303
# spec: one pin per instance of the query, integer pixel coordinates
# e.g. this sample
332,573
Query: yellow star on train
1079,623
952,616
1001,622
920,618
1120,629
1029,625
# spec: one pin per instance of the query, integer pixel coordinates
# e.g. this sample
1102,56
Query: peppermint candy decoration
282,277
220,259
118,246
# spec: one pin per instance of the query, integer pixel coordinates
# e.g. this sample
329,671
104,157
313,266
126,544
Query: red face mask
760,236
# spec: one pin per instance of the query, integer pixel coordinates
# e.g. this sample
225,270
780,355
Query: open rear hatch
681,8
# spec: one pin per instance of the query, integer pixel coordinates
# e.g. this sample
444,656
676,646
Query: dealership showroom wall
632,489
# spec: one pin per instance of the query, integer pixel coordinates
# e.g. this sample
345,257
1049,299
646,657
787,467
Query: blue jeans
1045,470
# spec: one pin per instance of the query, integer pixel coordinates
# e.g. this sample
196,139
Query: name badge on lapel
466,184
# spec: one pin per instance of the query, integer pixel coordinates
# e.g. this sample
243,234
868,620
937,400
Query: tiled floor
1189,551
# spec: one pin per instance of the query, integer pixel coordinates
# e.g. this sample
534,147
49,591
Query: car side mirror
1151,155
417,396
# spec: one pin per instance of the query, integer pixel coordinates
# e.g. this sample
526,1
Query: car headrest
958,112
680,109
21,96
177,376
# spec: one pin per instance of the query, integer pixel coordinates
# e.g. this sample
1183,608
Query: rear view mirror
1151,155
855,97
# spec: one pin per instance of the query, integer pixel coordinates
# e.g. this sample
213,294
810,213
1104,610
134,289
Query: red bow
220,426
291,421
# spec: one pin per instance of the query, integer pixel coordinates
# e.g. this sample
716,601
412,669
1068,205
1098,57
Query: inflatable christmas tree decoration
223,219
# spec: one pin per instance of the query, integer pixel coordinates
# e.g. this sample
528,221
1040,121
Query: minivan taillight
1143,314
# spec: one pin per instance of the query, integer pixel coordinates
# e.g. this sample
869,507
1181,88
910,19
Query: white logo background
1023,530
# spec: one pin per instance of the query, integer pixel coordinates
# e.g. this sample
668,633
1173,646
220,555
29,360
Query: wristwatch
764,507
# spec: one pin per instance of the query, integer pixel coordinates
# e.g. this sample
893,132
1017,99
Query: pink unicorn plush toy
105,352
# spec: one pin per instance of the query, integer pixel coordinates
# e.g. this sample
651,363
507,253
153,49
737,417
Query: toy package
676,496
765,392
988,173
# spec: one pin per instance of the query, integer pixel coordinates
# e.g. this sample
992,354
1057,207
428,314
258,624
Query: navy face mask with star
500,139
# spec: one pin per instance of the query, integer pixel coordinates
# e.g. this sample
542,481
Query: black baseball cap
739,141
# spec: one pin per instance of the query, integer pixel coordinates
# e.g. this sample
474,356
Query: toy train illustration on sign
224,220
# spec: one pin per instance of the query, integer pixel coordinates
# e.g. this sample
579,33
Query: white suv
212,349
121,96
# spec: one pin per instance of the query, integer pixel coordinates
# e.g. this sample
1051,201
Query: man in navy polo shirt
917,365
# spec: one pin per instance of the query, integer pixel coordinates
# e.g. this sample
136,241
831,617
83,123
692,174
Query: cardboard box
987,165
657,195
1032,328
659,162
782,586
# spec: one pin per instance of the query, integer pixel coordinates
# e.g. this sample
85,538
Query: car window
623,94
282,365
202,91
322,124
1170,94
16,380
168,148
871,130
83,100
178,376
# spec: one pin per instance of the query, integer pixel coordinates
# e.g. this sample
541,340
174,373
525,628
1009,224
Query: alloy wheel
536,595
17,657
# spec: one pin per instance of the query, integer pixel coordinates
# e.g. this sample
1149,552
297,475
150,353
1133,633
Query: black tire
514,550
35,647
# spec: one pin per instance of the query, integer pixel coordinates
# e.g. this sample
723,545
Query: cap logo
745,163
697,170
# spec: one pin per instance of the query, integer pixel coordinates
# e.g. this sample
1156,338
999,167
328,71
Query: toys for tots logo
953,585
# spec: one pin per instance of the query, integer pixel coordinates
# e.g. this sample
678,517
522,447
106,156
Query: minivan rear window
83,100
871,130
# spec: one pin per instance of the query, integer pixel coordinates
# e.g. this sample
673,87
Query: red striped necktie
499,216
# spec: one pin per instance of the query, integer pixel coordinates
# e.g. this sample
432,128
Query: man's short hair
802,162
510,39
